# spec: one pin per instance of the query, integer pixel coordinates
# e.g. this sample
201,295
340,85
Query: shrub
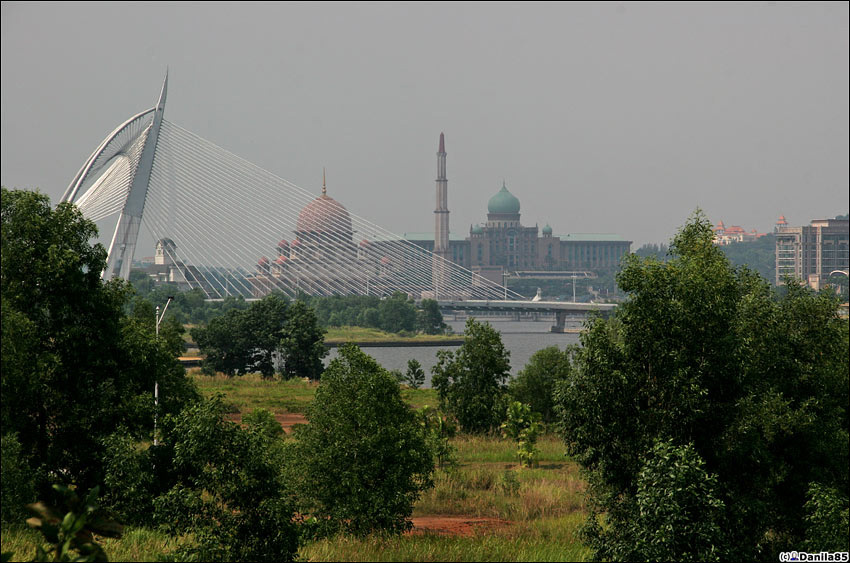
524,427
16,482
828,519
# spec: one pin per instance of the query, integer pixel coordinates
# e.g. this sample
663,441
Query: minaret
441,230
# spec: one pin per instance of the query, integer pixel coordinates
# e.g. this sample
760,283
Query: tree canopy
271,335
362,461
471,381
748,386
74,365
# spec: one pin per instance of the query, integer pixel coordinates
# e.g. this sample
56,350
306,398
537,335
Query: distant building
724,235
811,253
166,268
323,258
502,245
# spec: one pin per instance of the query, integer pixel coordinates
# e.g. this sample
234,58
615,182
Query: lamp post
156,382
574,288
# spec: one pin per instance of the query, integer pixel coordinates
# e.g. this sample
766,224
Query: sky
600,117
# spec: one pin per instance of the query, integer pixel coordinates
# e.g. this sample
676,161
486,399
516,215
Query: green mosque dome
547,230
477,230
504,202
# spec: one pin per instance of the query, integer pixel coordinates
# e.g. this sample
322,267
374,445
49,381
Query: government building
503,246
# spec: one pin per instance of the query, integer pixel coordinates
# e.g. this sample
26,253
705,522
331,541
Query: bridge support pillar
560,321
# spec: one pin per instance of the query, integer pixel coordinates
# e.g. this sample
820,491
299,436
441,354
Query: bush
523,427
229,490
16,483
362,461
676,514
828,520
439,429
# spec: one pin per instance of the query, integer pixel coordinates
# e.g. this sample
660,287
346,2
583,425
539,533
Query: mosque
323,258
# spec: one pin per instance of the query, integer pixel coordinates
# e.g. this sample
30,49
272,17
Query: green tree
535,384
430,319
680,515
302,343
707,354
74,365
362,461
225,344
827,519
264,322
415,376
215,480
397,313
470,382
227,488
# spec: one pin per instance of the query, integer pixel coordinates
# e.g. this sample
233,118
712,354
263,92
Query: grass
340,334
544,540
137,544
542,507
492,449
247,392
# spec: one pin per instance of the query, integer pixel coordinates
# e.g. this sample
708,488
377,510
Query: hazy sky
600,117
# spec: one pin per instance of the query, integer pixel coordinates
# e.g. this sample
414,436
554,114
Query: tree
535,384
219,482
16,485
430,319
362,461
74,365
264,323
225,344
243,341
397,313
707,356
470,381
415,376
680,513
302,343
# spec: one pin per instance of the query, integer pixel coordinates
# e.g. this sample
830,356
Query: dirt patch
286,420
456,525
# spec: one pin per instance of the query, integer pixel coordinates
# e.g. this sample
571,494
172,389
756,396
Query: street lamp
156,382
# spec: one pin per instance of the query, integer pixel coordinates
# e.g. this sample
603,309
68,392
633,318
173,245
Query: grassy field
493,510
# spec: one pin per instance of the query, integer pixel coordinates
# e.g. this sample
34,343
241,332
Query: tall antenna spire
324,185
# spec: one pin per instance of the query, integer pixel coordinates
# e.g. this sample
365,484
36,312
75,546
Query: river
521,338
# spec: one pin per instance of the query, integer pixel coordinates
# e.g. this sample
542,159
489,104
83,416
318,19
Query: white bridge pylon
229,227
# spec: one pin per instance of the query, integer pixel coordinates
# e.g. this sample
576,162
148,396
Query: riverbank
372,337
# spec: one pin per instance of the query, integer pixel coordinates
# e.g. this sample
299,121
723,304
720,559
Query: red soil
456,525
287,420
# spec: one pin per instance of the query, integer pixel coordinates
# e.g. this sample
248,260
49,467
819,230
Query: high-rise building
812,252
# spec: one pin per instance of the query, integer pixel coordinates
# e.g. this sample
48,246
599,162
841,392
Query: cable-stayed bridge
229,227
